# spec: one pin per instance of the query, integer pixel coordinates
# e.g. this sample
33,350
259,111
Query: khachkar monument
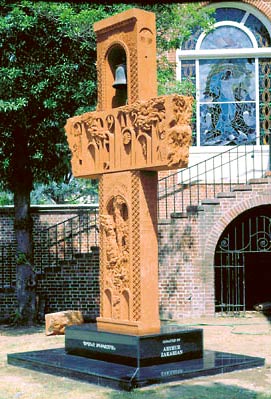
132,135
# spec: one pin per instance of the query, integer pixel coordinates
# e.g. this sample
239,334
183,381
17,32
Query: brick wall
73,285
187,244
58,287
181,287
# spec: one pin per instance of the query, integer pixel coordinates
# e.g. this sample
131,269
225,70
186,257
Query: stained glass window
227,101
233,92
265,99
226,37
229,14
259,31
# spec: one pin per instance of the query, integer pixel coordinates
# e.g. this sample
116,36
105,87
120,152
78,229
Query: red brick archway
214,236
261,5
242,262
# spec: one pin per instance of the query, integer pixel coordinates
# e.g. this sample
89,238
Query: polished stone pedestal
128,361
171,344
120,376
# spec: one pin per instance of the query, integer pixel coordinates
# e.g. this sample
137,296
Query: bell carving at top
120,77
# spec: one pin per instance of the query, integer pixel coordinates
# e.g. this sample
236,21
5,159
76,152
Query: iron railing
60,242
64,240
218,174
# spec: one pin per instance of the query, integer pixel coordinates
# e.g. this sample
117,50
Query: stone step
242,187
178,215
210,201
260,180
226,194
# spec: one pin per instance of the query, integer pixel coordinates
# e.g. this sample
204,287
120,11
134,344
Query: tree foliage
47,74
175,24
67,191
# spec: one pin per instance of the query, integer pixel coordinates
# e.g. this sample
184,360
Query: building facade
230,70
226,269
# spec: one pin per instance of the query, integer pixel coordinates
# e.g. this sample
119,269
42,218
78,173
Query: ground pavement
250,335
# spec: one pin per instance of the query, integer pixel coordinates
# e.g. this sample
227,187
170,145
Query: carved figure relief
114,224
178,141
151,134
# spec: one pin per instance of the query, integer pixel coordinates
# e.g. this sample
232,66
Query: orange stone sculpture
132,135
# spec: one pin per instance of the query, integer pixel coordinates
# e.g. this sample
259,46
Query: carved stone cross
132,135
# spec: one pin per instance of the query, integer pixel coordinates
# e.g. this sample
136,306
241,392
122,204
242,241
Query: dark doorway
243,262
258,278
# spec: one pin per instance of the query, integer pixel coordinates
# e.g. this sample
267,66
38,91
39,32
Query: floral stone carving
152,135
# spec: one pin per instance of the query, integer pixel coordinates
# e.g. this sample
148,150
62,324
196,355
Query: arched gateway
243,262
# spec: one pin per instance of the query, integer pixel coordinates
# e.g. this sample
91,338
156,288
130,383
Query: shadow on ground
197,391
267,315
13,331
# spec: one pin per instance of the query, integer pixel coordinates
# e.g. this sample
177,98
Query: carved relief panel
128,258
115,225
154,134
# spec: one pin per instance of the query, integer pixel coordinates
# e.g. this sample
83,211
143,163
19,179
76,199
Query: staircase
68,240
239,169
195,207
68,265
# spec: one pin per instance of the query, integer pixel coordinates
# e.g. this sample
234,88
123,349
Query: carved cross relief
132,135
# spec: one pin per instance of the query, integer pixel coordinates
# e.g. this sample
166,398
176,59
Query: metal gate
243,246
230,283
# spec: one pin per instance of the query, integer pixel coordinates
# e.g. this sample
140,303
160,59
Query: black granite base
120,376
171,344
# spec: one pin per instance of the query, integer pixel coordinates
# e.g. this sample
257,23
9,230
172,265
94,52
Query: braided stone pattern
134,74
136,286
100,96
102,263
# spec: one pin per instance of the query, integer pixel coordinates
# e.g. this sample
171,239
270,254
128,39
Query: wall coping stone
52,208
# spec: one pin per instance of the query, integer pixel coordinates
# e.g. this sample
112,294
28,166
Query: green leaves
176,22
15,104
39,87
17,19
47,73
70,190
49,103
10,73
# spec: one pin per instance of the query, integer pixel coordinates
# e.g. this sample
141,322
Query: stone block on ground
55,323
